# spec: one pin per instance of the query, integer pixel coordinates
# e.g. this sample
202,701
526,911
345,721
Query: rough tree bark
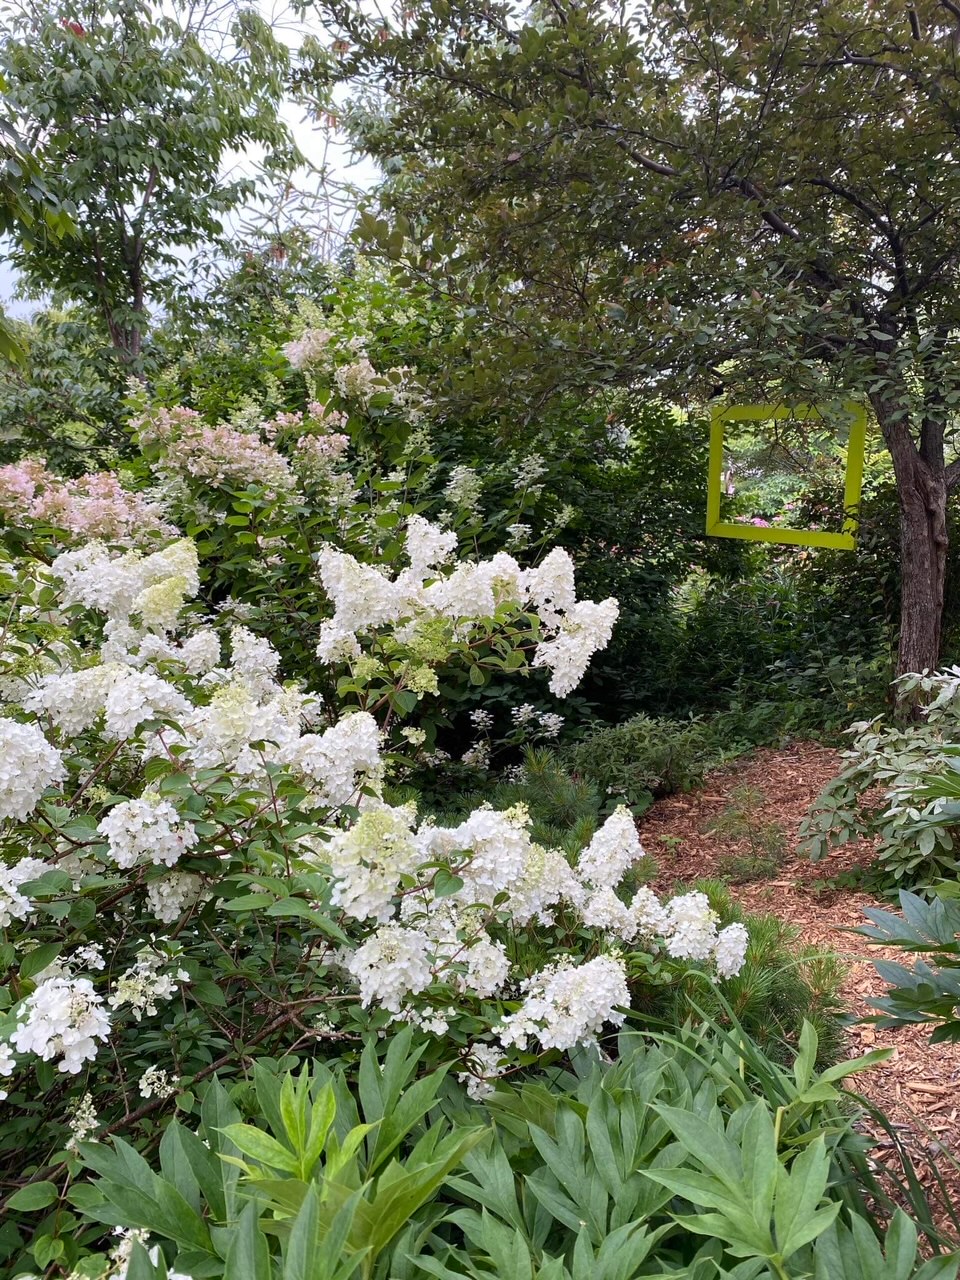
923,483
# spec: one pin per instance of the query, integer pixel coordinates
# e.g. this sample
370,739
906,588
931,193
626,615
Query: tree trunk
922,494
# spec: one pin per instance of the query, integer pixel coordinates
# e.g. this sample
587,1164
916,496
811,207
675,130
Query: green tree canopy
653,194
131,110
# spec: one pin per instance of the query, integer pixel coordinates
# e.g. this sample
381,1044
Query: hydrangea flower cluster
229,753
147,982
28,765
14,904
219,455
91,506
147,829
381,871
366,597
63,1018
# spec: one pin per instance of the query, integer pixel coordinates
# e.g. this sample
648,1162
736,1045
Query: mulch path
918,1087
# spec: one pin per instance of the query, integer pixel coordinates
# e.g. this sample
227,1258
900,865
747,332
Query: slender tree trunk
922,494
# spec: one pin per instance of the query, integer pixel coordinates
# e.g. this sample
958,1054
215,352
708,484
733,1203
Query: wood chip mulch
918,1087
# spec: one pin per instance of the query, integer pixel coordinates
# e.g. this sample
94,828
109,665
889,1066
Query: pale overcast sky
316,145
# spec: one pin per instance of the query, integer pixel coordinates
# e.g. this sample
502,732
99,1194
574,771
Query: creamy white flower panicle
309,349
586,628
84,1122
393,963
551,586
220,733
146,983
730,950
603,910
548,879
484,1061
136,696
487,968
156,1083
28,765
368,859
363,596
62,1018
613,850
428,546
153,586
691,927
565,1004
254,662
14,904
498,846
168,897
73,699
148,829
333,760
8,1065
366,597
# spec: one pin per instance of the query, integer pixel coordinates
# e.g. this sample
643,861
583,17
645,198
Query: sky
318,145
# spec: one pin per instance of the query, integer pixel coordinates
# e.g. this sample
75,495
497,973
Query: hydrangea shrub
202,862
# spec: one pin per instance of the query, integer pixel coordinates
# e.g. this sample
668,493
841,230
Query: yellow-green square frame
853,481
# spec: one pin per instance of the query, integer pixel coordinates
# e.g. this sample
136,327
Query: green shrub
741,820
644,758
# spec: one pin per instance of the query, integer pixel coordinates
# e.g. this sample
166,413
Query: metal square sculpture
856,444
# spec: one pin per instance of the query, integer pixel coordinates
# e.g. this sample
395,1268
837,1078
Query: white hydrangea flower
463,488
28,765
156,1083
488,967
7,1064
147,829
73,699
63,1017
614,849
309,349
650,917
565,1004
484,1061
118,585
357,381
547,880
604,910
168,897
730,950
92,577
551,586
427,546
89,957
363,595
690,932
15,905
254,662
83,1122
200,652
368,859
332,760
136,696
392,963
145,984
585,628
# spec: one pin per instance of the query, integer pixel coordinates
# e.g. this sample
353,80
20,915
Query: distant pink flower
92,506
221,455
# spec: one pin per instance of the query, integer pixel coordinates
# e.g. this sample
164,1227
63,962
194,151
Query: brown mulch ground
919,1086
